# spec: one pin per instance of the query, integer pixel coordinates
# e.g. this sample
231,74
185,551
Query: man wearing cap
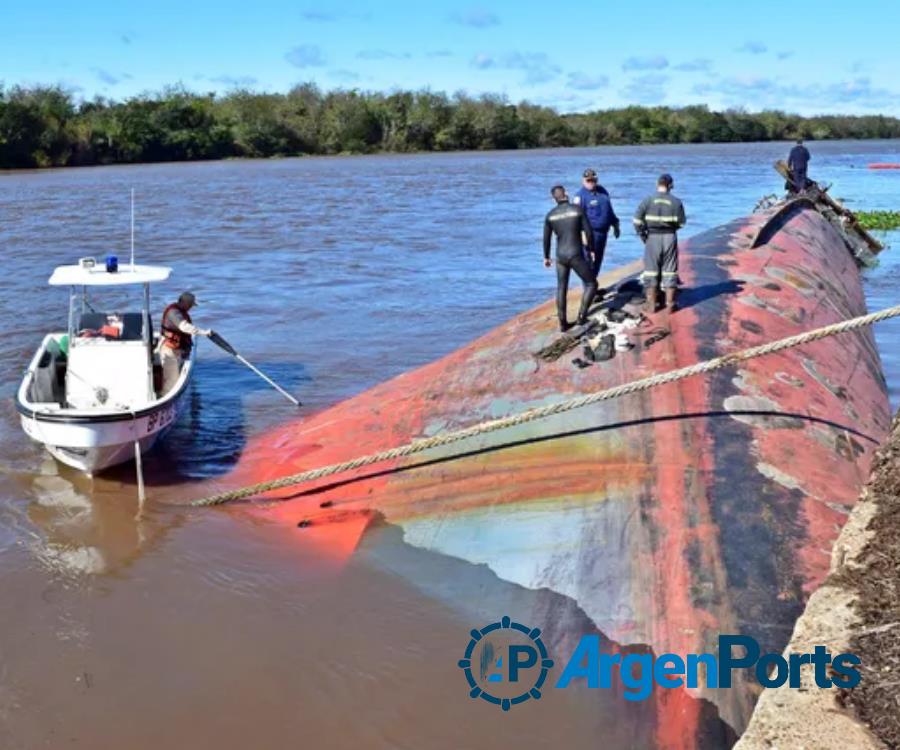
657,221
176,340
572,230
597,206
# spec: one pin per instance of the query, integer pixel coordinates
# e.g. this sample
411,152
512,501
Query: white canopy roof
98,275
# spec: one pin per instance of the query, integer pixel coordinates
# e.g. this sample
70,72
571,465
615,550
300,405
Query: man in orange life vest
177,334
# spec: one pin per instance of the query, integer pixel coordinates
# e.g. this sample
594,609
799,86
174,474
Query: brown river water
213,629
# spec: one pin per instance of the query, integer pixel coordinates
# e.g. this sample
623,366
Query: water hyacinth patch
883,221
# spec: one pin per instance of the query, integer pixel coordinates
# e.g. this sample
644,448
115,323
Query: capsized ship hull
702,507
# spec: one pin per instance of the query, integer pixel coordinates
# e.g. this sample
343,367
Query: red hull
703,507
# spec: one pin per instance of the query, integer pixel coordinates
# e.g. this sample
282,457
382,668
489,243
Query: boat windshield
111,314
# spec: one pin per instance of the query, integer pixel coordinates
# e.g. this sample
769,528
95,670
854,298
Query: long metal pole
72,297
132,229
147,335
140,477
269,380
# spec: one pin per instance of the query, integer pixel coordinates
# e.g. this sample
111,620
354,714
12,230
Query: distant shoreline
411,154
44,127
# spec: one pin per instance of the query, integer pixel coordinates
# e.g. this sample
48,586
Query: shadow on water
211,432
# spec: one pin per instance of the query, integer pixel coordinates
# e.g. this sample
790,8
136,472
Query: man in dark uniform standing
657,221
572,229
595,202
798,161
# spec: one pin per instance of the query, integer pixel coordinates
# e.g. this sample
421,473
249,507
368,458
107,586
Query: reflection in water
87,526
478,595
83,526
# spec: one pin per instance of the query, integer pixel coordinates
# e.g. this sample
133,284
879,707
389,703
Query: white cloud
584,82
654,62
649,88
697,65
536,66
306,56
236,81
477,18
382,54
760,92
754,48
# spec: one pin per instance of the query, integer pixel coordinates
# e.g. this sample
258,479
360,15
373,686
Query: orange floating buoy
885,165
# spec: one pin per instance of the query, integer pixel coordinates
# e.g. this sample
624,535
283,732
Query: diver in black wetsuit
572,230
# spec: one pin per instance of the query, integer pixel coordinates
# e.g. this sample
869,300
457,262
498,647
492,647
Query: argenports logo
506,663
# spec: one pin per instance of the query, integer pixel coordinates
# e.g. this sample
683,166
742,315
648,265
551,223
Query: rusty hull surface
661,519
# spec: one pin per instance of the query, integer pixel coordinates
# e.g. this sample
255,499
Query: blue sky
801,56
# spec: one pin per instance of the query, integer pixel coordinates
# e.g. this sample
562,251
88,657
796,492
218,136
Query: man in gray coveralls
657,221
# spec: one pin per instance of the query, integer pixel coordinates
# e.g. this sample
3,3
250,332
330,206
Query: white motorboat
92,393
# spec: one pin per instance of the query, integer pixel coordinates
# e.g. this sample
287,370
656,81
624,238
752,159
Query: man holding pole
177,338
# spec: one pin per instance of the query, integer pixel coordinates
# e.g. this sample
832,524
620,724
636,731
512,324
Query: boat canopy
99,276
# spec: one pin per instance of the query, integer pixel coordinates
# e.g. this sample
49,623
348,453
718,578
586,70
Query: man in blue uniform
572,231
597,206
798,161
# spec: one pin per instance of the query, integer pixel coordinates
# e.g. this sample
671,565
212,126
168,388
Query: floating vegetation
882,221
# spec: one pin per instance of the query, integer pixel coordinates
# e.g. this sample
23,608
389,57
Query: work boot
650,303
670,299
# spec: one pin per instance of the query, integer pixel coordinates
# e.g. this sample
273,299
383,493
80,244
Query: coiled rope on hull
541,412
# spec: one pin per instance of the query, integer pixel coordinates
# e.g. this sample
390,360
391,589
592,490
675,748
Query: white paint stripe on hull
94,447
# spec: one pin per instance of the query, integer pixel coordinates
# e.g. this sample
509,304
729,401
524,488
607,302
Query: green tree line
47,126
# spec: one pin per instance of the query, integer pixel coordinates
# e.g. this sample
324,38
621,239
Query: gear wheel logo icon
505,663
